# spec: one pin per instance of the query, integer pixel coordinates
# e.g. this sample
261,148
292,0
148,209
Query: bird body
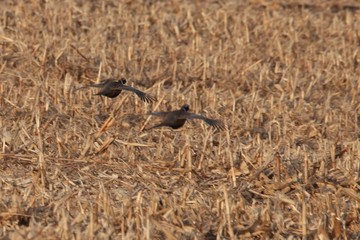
176,119
172,119
111,88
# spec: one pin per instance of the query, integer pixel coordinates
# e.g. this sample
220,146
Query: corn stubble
282,76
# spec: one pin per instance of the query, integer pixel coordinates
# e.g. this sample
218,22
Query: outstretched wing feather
143,96
212,122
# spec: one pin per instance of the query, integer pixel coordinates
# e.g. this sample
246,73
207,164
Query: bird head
185,108
122,80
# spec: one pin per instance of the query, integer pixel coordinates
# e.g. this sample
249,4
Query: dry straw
282,75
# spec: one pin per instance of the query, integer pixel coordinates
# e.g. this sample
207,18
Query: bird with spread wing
111,88
176,119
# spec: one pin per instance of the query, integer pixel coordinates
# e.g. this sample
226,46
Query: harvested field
284,76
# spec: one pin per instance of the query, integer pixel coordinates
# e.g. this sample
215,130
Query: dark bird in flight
111,88
176,119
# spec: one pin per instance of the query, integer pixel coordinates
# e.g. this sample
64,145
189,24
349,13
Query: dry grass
283,75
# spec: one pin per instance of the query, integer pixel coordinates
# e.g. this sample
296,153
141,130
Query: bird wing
212,122
143,96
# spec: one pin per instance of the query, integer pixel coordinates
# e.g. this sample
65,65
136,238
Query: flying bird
111,88
176,119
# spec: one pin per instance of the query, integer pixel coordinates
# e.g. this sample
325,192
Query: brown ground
284,76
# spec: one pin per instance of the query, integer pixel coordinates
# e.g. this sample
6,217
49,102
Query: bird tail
156,126
79,88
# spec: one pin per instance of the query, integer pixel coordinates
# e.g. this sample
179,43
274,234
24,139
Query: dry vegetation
283,76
